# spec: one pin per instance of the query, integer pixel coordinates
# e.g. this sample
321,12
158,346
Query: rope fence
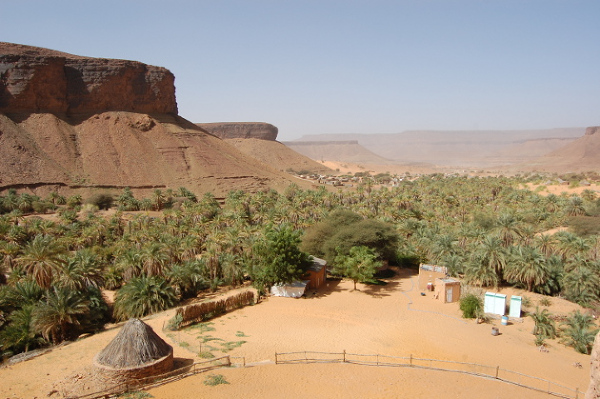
480,370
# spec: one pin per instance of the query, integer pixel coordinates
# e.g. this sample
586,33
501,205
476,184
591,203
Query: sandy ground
371,320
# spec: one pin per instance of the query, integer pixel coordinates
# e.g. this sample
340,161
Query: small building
135,352
428,274
447,290
317,273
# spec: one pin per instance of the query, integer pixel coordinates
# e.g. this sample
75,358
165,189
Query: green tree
18,335
58,317
544,325
527,266
579,332
359,265
278,258
142,296
42,259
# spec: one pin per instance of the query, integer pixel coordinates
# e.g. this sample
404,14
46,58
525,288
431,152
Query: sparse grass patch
206,355
240,334
215,379
229,346
545,302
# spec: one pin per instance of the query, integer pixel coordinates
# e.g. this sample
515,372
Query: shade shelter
135,352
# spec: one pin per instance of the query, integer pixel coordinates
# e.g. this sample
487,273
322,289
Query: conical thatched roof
135,345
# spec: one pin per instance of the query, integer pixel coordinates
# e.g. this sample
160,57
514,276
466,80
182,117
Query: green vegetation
486,230
360,264
215,379
471,306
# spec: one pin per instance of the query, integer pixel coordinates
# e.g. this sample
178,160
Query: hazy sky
345,66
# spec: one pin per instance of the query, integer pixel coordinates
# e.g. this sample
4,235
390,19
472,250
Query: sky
351,66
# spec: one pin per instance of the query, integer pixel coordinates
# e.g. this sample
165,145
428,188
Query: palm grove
486,230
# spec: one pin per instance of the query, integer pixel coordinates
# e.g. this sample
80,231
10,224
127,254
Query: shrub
102,201
471,306
215,379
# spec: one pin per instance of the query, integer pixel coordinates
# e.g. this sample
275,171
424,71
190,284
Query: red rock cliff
34,79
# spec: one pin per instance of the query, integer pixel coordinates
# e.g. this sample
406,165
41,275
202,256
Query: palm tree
142,296
527,266
42,258
81,272
544,325
18,335
57,317
578,332
580,284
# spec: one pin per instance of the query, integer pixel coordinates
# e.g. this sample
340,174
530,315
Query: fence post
377,359
275,357
497,369
344,355
577,393
410,361
243,361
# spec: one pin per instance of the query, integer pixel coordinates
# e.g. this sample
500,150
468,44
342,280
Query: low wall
119,375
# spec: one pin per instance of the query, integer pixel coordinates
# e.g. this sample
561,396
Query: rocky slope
580,155
77,123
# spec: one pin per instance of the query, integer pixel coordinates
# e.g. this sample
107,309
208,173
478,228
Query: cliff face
33,79
593,391
241,130
70,123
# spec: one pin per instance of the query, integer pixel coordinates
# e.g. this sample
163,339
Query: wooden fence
480,370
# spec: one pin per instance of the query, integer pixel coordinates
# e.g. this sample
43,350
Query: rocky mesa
41,80
241,130
86,124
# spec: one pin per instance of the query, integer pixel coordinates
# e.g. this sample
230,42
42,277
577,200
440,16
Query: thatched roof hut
136,351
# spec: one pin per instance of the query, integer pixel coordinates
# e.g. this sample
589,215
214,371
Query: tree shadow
381,288
330,286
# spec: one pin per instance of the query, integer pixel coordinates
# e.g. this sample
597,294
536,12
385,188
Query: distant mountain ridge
478,148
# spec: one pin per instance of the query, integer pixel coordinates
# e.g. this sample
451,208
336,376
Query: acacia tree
278,258
360,264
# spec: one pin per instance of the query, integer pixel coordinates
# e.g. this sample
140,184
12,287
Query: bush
102,201
471,306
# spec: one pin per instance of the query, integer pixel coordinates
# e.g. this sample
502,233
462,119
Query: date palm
58,316
142,296
42,258
527,266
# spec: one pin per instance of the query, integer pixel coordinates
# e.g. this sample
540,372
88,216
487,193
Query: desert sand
392,319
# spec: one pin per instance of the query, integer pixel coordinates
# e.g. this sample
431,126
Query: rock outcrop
593,391
592,130
34,79
241,130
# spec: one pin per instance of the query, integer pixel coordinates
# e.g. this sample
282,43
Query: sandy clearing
371,320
